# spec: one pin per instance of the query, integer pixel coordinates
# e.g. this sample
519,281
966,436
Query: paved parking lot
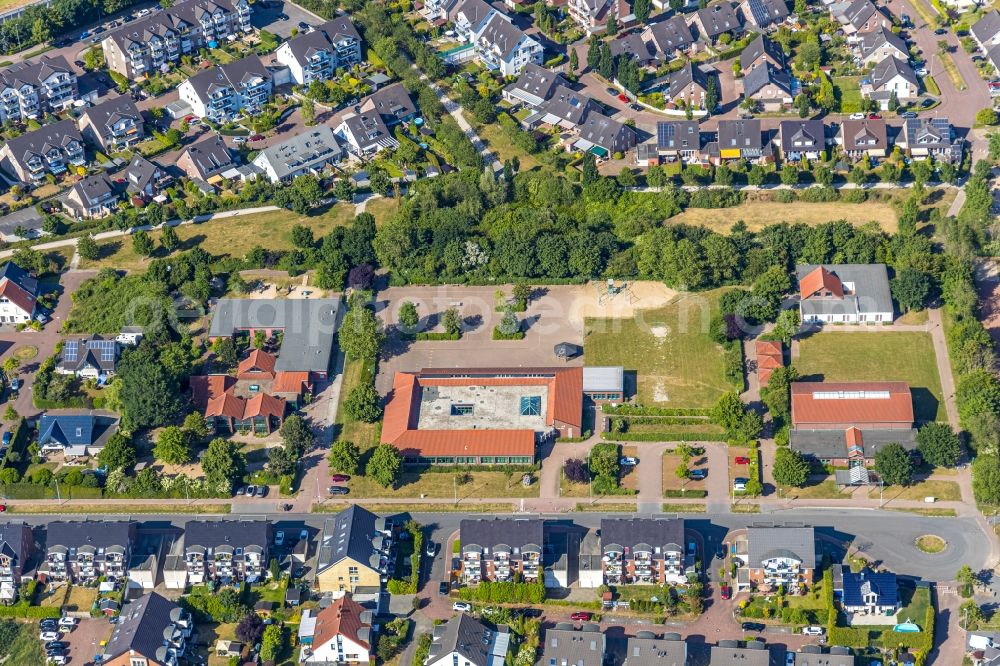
546,322
84,641
267,18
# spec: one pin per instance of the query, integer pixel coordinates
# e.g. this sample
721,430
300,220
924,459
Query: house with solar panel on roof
866,592
74,435
90,358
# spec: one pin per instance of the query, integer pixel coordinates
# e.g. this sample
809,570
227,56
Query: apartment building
317,54
227,91
81,552
354,551
29,89
17,548
113,125
307,153
51,149
777,556
592,15
150,631
643,551
498,549
153,43
226,551
504,47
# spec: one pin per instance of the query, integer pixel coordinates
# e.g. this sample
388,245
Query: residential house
643,551
891,76
753,653
18,294
113,125
769,86
224,551
30,89
310,152
688,87
50,149
366,134
931,137
74,435
316,55
81,552
866,592
759,52
153,43
669,38
863,16
813,655
632,45
222,93
469,17
802,139
868,136
565,644
778,556
150,631
875,46
678,140
90,198
986,31
993,55
17,550
342,633
206,159
354,552
592,15
534,86
497,549
739,139
844,293
130,336
467,641
502,46
716,20
846,423
307,327
983,648
770,356
393,103
144,179
764,14
90,358
648,649
603,136
565,108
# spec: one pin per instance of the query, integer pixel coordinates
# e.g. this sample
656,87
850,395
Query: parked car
282,17
79,63
635,107
279,537
340,478
239,139
6,439
904,19
338,490
612,91
813,630
56,645
251,491
628,460
721,551
789,659
531,612
256,137
431,549
622,97
752,626
242,490
698,474
304,26
15,385
908,114
940,31
874,116
726,592
49,635
922,71
580,616
262,491
59,659
67,622
740,484
444,588
461,606
857,116
742,460
692,549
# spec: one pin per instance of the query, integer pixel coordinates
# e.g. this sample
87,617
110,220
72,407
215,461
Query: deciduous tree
894,465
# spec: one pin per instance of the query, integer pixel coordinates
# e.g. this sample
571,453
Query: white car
67,622
48,636
58,659
789,659
813,630
461,607
279,538
922,71
628,460
857,116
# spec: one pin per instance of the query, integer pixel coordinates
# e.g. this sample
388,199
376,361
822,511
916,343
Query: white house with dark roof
31,88
867,136
669,38
365,134
535,85
18,294
224,92
317,54
931,137
502,46
393,103
470,16
50,149
764,14
91,197
759,51
113,125
467,641
307,153
986,30
206,158
603,136
774,556
144,178
891,76
150,630
802,139
592,15
862,16
566,108
688,87
768,86
17,549
877,45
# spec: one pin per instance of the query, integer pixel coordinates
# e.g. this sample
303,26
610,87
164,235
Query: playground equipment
607,291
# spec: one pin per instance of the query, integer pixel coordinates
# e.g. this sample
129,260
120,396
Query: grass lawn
825,489
683,508
494,137
624,507
569,488
81,598
442,485
25,648
206,509
759,214
441,507
943,491
884,356
913,318
931,85
365,435
382,208
930,543
670,348
952,70
234,236
671,461
848,90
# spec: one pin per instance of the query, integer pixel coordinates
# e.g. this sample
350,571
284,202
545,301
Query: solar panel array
106,348
71,350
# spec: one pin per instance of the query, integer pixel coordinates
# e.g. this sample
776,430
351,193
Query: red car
340,477
188,119
580,616
257,137
622,98
742,460
873,116
726,591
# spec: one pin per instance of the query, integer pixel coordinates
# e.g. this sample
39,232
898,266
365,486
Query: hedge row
640,410
500,335
665,420
664,436
410,585
505,593
675,492
437,336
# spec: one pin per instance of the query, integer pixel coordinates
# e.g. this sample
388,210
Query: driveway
45,340
545,323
